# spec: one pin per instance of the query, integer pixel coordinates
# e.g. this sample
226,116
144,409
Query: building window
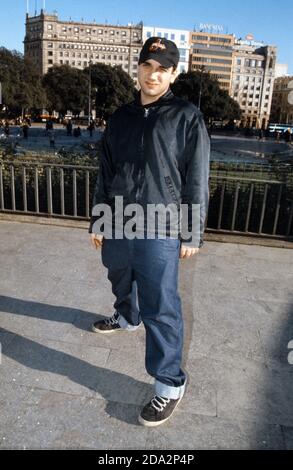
173,37
159,34
182,37
149,34
166,35
238,61
50,27
50,53
50,61
50,45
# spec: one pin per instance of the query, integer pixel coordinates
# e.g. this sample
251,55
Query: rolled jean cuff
125,325
166,391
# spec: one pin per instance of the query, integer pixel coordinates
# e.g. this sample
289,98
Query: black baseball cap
162,50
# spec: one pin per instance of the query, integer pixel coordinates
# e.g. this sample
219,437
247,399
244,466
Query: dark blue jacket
155,154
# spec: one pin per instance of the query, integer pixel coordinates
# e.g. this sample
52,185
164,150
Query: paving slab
63,386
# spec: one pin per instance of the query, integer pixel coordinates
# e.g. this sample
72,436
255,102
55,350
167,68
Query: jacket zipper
146,113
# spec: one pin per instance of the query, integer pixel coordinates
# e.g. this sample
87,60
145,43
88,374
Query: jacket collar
164,99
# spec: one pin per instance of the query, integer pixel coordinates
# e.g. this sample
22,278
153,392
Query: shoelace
112,321
160,401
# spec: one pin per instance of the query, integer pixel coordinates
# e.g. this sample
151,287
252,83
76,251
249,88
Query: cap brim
158,58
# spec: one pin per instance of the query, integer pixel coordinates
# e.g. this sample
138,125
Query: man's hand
187,252
96,240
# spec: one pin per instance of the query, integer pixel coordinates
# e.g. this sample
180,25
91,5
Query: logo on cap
157,45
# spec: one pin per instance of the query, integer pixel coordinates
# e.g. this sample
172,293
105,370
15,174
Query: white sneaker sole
106,332
152,424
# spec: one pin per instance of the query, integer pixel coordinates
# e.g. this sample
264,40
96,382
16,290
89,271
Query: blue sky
268,20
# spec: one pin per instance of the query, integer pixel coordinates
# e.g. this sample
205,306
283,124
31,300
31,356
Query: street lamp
90,92
201,68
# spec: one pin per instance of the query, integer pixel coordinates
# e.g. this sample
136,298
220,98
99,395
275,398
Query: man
155,151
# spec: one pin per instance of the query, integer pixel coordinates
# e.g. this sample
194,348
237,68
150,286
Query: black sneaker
108,325
158,411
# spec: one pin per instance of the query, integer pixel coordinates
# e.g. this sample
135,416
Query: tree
201,88
66,88
113,86
21,83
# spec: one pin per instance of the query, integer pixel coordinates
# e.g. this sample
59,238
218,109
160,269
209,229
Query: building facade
50,41
213,53
282,102
281,70
181,39
253,80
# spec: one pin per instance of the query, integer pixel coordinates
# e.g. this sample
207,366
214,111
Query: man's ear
174,75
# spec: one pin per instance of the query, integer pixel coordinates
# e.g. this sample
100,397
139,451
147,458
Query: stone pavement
62,386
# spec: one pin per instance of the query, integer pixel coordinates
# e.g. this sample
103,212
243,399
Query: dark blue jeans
144,278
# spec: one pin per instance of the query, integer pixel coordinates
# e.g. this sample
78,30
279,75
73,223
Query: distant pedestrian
260,134
77,132
91,128
277,136
288,135
25,129
6,129
51,134
69,128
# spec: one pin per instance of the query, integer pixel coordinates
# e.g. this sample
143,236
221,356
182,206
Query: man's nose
153,76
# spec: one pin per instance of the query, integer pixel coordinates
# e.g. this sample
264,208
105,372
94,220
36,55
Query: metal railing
237,205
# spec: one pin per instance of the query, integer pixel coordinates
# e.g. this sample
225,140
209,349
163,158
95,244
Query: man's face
154,79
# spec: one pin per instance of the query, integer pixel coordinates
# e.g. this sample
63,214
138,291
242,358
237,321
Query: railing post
277,210
62,191
74,193
87,194
49,190
264,203
236,195
2,204
24,195
12,188
249,207
36,179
